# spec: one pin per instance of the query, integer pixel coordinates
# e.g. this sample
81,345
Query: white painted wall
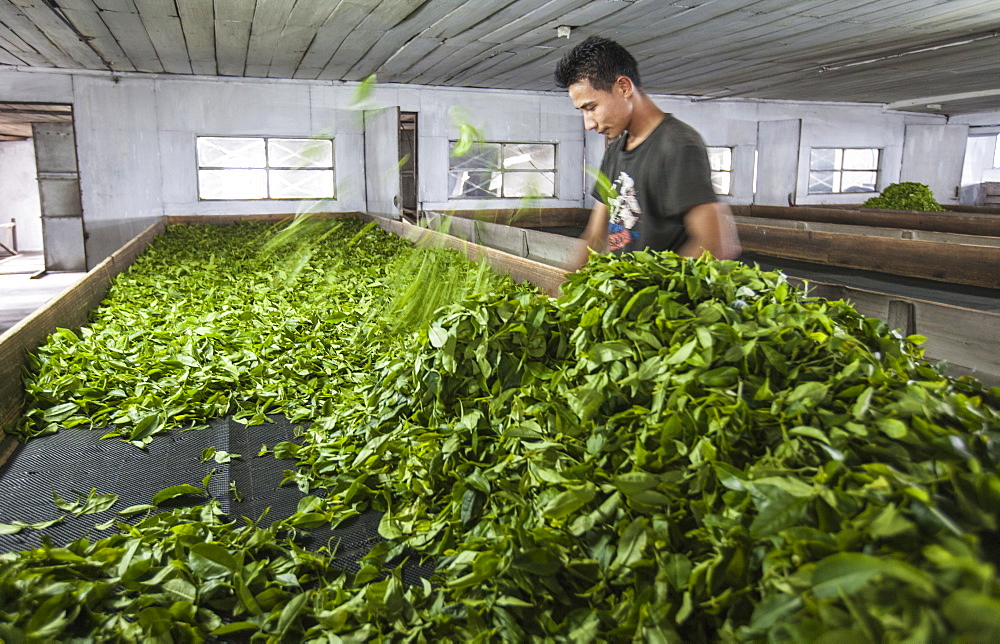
19,188
136,138
980,151
733,123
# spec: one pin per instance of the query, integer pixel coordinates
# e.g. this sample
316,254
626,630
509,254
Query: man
661,194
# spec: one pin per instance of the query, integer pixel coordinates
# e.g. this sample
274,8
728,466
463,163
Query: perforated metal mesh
76,461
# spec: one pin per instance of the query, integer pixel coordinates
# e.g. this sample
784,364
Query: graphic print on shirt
624,213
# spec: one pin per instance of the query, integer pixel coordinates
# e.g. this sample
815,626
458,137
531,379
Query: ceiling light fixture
563,31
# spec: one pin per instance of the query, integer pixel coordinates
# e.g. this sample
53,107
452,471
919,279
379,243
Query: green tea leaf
176,491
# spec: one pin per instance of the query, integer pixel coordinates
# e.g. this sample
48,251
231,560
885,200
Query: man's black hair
598,60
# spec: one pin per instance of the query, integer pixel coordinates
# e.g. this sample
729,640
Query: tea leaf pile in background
907,195
674,450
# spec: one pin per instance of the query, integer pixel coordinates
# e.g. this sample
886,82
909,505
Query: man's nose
589,123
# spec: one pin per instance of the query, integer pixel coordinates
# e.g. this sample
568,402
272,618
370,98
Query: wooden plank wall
68,310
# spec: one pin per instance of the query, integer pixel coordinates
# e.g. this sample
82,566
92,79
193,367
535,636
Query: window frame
730,172
267,168
841,170
503,171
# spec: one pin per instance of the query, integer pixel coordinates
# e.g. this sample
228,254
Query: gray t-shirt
654,185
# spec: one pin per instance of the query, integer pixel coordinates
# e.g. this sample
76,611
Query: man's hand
595,236
711,227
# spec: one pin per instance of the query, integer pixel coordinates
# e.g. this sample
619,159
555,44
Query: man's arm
710,226
595,235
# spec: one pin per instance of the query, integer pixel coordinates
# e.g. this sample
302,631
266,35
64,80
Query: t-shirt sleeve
691,178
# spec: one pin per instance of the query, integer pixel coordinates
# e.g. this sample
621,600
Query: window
720,160
840,170
264,168
996,153
496,170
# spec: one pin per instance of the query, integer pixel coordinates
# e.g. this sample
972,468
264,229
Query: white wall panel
349,159
19,188
234,107
36,87
119,157
933,155
433,182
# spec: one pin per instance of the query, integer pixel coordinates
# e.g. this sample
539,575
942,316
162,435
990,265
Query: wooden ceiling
16,118
908,54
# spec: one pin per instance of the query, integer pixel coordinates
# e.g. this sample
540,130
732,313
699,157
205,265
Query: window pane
473,183
860,159
823,159
721,182
529,156
301,184
300,153
858,182
482,156
232,184
230,152
720,159
529,184
822,182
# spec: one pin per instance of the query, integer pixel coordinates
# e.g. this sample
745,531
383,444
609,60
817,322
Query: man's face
607,112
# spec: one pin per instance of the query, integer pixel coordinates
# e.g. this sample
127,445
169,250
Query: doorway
409,202
41,220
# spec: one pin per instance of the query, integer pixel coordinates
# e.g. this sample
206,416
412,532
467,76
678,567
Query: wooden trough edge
964,223
69,309
939,261
966,339
546,278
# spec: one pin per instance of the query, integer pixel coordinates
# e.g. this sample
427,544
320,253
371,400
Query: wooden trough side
70,309
964,338
546,278
528,217
539,246
940,261
872,231
963,223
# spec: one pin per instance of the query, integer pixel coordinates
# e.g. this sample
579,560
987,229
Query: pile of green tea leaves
246,320
678,450
673,450
907,195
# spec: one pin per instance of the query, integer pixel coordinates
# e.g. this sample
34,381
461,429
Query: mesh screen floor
74,461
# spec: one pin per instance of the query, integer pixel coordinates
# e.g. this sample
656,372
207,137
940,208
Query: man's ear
624,83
